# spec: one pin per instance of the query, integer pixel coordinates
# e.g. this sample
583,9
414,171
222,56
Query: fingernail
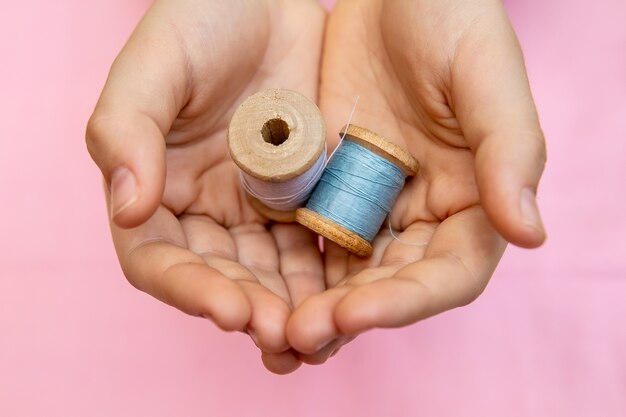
123,190
336,351
322,345
530,212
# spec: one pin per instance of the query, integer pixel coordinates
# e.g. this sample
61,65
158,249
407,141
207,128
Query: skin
444,80
182,226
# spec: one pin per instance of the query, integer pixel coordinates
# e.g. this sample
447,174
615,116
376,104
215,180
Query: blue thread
357,190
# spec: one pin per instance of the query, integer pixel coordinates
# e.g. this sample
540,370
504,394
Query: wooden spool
274,136
337,233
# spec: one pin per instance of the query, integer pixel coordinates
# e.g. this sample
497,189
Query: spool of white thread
277,138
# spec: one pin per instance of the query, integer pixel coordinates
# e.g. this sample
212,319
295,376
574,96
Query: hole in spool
275,131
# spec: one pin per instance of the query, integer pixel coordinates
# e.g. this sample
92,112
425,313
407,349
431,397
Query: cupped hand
446,81
182,227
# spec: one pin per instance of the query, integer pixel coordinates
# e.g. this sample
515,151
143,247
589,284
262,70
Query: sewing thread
294,193
357,189
287,195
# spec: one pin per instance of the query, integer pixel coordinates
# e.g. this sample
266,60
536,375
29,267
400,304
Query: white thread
404,242
288,195
356,101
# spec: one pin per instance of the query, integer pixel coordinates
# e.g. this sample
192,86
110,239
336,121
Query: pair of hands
443,79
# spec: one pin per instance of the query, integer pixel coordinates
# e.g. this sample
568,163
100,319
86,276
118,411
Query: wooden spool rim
333,231
382,147
270,213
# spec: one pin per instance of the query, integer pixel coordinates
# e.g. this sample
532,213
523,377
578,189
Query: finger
281,363
257,252
155,260
321,356
300,261
218,248
311,326
325,352
459,261
335,263
143,94
269,316
493,103
409,245
270,312
340,264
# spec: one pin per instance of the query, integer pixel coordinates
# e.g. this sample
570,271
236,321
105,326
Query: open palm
446,81
183,229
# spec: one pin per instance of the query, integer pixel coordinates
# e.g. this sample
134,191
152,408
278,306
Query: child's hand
181,224
445,80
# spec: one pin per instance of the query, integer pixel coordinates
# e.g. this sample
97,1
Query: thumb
497,114
129,149
125,135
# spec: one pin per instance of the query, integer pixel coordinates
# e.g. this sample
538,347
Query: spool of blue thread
357,189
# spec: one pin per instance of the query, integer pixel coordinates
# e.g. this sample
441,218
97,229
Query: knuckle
96,132
539,151
472,294
542,153
475,283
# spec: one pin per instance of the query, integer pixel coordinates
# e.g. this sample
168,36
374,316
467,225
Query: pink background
547,338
